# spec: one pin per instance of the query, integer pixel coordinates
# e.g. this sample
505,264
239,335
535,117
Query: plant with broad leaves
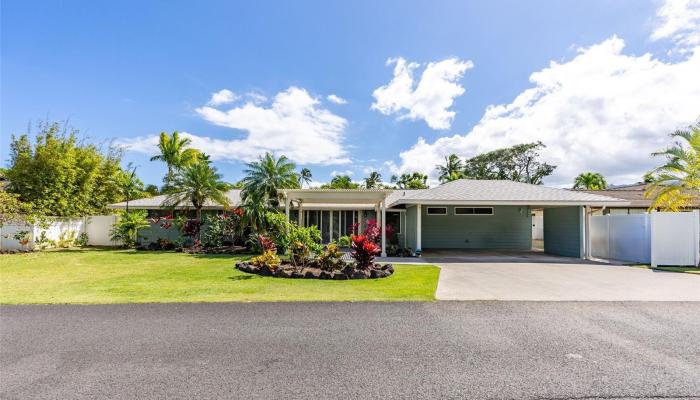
364,251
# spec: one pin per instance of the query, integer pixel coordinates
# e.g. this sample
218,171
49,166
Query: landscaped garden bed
313,272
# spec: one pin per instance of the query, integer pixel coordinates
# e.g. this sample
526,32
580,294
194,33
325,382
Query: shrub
191,227
364,251
22,237
278,228
331,258
82,240
42,242
223,229
344,241
303,243
127,227
66,239
268,259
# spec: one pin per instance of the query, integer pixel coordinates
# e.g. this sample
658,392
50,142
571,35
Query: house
462,214
634,194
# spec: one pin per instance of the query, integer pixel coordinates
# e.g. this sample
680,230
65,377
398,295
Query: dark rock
264,270
325,275
360,274
340,276
377,273
311,273
388,267
284,273
296,275
243,267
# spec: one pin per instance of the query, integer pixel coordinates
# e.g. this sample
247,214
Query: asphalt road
454,350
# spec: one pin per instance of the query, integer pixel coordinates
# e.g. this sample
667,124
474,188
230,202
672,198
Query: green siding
410,228
510,227
563,231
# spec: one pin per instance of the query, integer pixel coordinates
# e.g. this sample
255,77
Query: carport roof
498,192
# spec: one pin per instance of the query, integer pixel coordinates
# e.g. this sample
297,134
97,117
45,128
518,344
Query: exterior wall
563,231
410,228
510,227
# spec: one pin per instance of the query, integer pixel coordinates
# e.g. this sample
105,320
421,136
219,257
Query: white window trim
473,215
427,211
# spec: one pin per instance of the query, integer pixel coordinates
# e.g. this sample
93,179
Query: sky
351,87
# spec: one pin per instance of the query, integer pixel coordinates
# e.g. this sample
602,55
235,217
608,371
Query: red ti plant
364,251
267,243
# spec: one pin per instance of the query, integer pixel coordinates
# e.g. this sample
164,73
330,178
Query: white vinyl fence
97,228
664,238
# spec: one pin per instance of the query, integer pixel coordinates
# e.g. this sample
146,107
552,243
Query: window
473,210
436,211
394,220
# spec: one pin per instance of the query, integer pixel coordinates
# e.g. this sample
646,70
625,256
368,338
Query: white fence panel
97,227
7,231
675,238
60,226
98,230
629,238
600,236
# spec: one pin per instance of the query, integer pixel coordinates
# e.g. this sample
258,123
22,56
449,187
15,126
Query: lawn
100,276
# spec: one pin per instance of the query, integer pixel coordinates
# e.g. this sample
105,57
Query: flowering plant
364,251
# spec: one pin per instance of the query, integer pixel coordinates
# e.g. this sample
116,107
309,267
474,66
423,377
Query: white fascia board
513,203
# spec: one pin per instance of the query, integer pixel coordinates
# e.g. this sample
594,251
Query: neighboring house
633,193
462,214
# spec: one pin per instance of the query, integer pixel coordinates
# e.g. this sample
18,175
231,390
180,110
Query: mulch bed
293,272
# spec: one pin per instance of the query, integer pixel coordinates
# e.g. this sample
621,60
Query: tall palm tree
263,178
129,184
415,180
305,176
452,170
373,180
196,184
676,184
175,154
590,181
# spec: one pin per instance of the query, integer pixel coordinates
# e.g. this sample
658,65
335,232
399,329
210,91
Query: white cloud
336,99
294,125
601,111
256,97
346,172
680,22
430,98
223,96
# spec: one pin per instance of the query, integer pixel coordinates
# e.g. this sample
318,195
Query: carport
496,215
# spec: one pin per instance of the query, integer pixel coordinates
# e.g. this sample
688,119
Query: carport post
418,229
383,227
587,232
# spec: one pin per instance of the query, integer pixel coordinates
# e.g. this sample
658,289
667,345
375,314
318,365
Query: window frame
473,214
400,230
427,211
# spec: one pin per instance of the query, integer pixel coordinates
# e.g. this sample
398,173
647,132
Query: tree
305,176
415,180
61,175
519,163
452,170
676,184
151,190
196,184
373,180
130,185
175,154
126,229
12,210
263,178
341,182
590,181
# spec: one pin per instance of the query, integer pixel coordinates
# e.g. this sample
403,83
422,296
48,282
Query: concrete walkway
539,277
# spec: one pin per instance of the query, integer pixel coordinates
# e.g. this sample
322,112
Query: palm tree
415,180
373,180
196,184
263,178
452,170
341,182
676,184
174,152
590,181
129,184
305,176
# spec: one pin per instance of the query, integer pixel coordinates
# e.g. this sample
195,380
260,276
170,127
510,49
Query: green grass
100,276
687,270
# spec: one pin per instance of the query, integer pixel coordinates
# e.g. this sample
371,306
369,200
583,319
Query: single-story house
634,194
462,214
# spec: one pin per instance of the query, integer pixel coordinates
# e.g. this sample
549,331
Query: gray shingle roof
234,198
491,191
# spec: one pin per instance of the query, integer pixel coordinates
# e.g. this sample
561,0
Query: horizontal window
473,210
437,210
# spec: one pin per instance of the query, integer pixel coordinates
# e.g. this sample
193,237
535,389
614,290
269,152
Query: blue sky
126,71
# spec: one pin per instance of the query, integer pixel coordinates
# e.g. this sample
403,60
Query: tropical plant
344,241
269,257
255,209
60,175
23,237
590,181
223,229
415,180
452,170
373,180
304,243
305,176
264,177
341,182
66,239
12,210
330,258
364,251
130,185
82,240
676,184
175,154
151,190
519,163
197,184
126,229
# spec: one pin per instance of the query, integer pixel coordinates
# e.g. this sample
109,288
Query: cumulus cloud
430,98
336,99
346,172
293,124
601,111
223,96
679,20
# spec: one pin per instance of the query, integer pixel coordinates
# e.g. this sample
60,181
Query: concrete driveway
536,276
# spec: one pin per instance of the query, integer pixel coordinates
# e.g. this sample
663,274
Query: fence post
652,219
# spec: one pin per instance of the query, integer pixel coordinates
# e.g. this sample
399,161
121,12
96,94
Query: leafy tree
175,154
590,181
373,180
415,180
676,184
62,176
151,190
126,229
305,176
196,184
263,178
519,163
341,182
12,210
255,208
452,170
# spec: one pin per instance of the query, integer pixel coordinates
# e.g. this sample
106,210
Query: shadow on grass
243,277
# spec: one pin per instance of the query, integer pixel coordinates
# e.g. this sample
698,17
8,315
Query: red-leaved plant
267,243
364,251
